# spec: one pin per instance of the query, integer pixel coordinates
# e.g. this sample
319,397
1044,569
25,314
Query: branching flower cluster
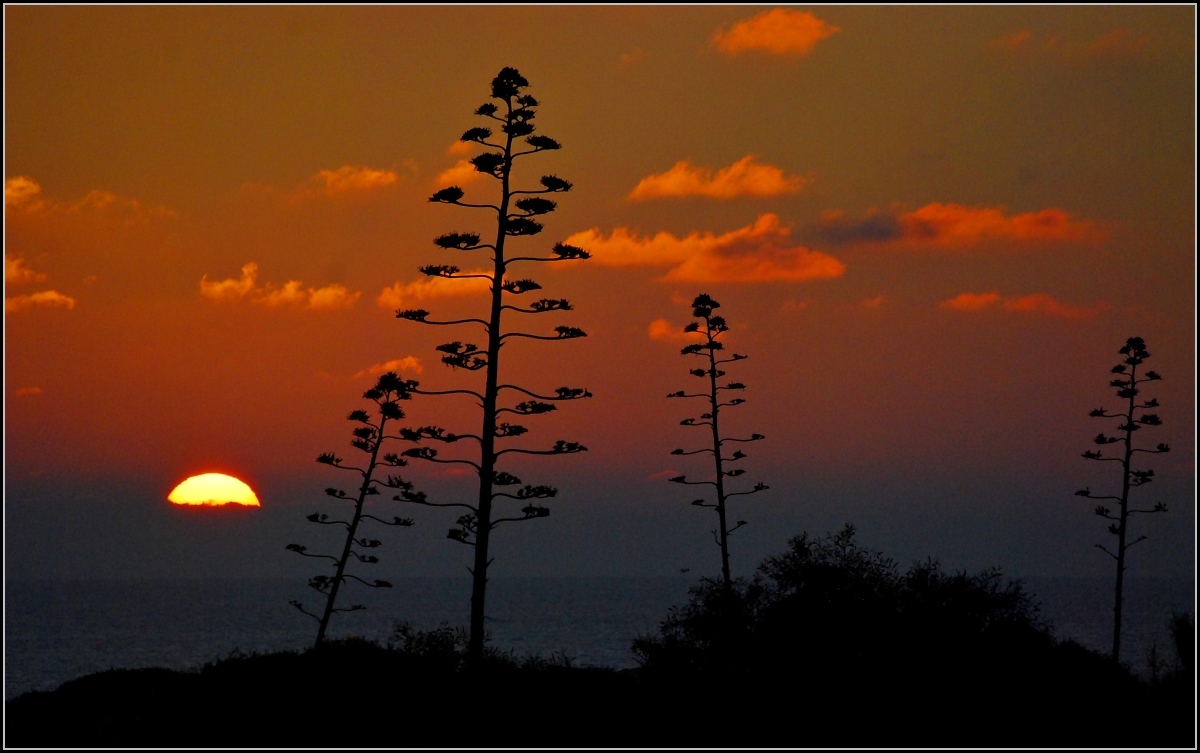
1133,418
515,214
370,434
717,397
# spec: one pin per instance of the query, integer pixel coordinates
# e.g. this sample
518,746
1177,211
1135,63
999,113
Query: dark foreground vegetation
831,645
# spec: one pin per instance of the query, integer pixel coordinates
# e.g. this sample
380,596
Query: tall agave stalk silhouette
1133,418
369,438
711,327
513,213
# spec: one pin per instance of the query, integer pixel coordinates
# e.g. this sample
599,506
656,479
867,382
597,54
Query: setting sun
213,489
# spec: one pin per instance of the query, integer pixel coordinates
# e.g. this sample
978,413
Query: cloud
402,294
663,331
756,253
28,391
743,178
1037,303
779,32
873,303
331,297
972,301
461,174
1119,43
22,191
231,289
408,363
1113,45
1012,42
353,178
460,147
43,298
344,182
25,193
292,292
16,273
955,226
633,56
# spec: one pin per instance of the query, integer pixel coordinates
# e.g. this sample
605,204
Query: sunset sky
930,229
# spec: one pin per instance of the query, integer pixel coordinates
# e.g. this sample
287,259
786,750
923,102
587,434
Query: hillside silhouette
830,645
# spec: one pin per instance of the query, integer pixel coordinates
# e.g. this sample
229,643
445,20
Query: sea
55,631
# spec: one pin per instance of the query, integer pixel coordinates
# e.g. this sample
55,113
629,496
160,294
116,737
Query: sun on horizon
213,489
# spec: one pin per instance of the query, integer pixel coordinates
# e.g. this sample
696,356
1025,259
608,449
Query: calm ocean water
57,631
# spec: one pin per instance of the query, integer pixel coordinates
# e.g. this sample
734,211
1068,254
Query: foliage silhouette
515,114
1132,419
712,327
369,438
835,610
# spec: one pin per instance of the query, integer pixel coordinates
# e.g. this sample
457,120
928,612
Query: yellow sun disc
213,489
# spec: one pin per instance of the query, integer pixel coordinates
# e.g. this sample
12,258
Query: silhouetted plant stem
369,438
474,528
1135,354
702,307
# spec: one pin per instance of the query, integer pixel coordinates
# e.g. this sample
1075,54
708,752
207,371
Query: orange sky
930,228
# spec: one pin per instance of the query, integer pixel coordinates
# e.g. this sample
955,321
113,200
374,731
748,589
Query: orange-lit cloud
292,292
956,226
779,31
352,178
760,252
403,294
1119,43
28,391
793,306
460,147
1037,303
25,194
663,331
633,56
22,191
344,182
743,178
461,174
16,273
1012,41
1115,44
873,303
408,363
43,298
231,289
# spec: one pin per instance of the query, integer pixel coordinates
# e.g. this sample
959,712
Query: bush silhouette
837,609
